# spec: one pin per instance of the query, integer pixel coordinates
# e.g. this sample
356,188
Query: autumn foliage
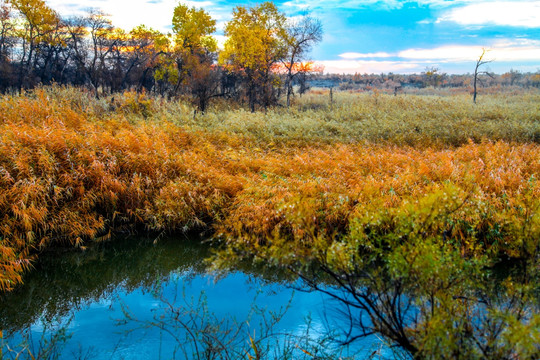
74,170
67,178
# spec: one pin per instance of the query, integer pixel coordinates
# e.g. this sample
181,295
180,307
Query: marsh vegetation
406,207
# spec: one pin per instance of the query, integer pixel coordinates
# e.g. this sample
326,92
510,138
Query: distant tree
120,62
101,44
304,71
256,43
192,30
301,36
52,56
203,81
7,28
481,61
433,77
76,28
511,77
535,79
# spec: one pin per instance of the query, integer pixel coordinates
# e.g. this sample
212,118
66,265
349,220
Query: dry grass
74,169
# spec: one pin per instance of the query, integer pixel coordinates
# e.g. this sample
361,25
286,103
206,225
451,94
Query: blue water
96,325
144,301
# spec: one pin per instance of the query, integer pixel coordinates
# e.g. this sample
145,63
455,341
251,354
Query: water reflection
71,280
95,292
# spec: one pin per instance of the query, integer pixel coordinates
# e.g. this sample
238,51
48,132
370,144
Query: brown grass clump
490,190
74,169
65,179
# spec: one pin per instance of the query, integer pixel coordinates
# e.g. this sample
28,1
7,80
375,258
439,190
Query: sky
375,36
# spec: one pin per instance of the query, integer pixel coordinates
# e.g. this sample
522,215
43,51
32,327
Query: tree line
264,56
431,77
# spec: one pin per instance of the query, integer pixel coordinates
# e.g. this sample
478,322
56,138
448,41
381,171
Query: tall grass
401,120
74,169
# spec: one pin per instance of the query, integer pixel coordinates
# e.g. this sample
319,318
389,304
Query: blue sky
374,36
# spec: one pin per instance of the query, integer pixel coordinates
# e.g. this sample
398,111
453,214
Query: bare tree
101,44
76,28
7,28
477,73
7,43
301,36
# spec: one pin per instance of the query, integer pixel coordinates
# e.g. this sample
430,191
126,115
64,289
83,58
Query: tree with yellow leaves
147,47
194,53
192,30
256,43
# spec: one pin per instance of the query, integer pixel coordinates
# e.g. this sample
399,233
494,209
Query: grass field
74,170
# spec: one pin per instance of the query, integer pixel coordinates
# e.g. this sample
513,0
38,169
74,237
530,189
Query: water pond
136,299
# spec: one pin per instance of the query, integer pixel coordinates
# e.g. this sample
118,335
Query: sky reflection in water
90,292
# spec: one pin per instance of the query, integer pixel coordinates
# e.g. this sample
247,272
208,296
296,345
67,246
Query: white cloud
504,50
525,53
127,14
368,66
346,4
450,53
502,13
380,4
355,55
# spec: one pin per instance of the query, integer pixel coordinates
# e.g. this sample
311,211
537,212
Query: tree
39,21
477,73
76,30
147,47
416,276
7,42
121,60
535,79
192,30
301,36
195,52
511,77
54,56
257,39
92,39
433,76
6,32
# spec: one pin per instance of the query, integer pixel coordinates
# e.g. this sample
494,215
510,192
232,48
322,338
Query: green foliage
424,288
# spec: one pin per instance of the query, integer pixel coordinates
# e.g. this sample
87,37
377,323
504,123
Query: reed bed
76,170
